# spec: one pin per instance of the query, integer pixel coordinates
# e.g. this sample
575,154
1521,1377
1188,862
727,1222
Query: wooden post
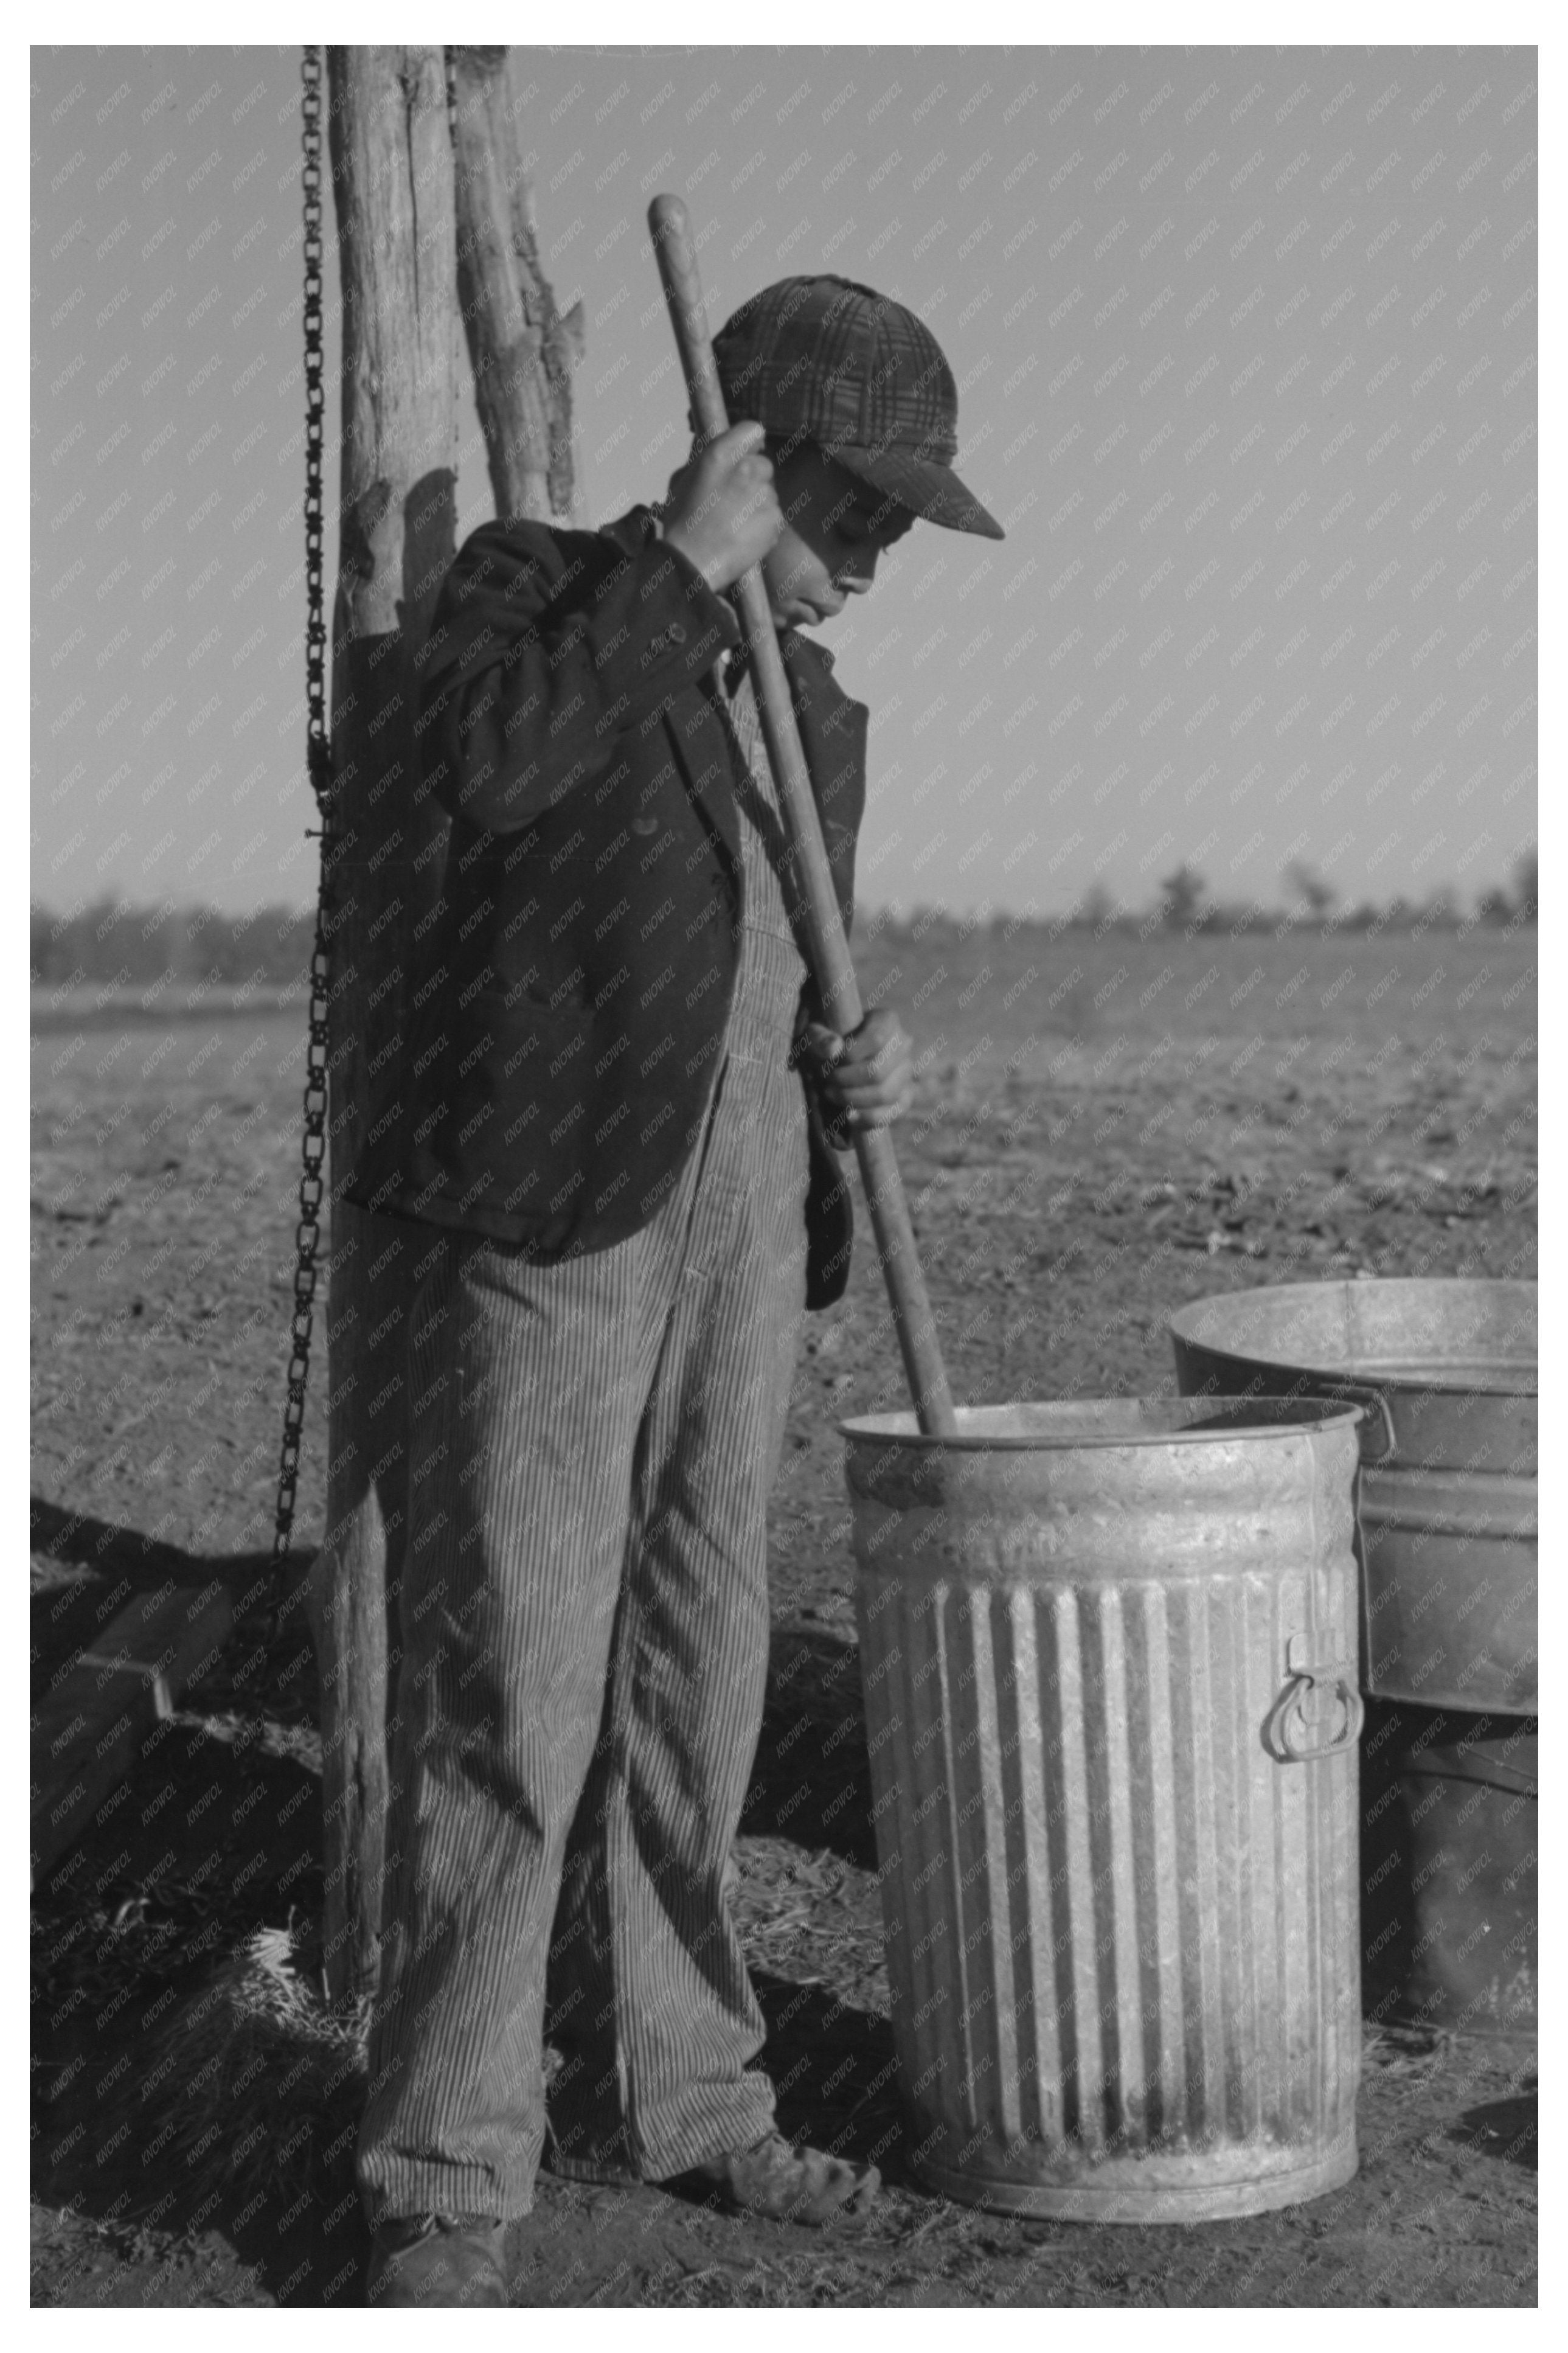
392,180
521,348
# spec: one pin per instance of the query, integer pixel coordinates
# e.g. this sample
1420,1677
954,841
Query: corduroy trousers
584,1637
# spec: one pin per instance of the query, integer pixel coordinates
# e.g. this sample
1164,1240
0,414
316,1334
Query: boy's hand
867,1078
722,513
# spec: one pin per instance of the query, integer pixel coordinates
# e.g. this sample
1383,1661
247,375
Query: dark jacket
569,1000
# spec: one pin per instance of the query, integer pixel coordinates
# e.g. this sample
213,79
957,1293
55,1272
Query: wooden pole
392,182
520,347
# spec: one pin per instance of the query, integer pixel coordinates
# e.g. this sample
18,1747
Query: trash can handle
1372,1403
1288,1736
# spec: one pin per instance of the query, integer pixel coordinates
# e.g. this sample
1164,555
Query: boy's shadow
832,2070
812,1779
831,2063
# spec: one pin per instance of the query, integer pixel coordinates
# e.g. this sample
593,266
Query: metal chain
319,764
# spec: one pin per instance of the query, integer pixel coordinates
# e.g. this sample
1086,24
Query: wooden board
88,1730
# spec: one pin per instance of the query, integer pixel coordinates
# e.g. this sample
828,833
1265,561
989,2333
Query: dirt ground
1105,1128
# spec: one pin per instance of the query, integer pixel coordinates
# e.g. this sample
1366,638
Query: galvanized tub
1448,1502
1450,1874
1107,1652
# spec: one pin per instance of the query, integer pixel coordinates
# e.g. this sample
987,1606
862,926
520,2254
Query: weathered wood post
520,347
392,180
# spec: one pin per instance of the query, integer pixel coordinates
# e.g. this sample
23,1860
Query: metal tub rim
1159,1422
1506,1374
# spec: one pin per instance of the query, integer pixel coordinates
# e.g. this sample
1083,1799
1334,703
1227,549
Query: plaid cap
850,369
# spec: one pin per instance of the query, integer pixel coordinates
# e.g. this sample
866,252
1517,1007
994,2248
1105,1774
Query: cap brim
927,488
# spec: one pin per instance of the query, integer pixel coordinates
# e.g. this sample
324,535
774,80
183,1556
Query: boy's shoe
435,2259
785,2184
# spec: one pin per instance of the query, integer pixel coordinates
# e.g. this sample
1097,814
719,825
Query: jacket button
644,825
675,634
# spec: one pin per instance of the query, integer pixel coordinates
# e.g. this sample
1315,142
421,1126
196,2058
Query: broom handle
671,233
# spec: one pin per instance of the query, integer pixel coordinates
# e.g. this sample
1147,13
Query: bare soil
1104,1129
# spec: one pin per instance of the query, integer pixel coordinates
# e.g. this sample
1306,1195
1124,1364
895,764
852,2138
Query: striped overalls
585,1619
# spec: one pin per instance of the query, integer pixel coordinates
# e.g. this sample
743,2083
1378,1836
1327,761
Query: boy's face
836,526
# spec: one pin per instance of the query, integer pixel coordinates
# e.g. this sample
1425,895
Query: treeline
1184,905
112,944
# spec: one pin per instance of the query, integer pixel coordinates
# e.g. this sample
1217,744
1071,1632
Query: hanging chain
319,764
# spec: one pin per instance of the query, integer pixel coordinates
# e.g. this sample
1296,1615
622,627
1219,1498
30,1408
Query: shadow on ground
1505,2128
194,2108
812,1779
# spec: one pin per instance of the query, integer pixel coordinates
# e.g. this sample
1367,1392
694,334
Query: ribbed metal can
1108,1657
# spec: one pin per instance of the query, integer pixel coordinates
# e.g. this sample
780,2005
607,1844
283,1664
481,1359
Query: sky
1245,341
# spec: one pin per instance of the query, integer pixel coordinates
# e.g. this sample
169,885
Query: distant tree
40,947
1526,882
1493,906
928,923
1096,907
1440,911
1309,884
1254,917
1184,892
110,941
1220,915
293,935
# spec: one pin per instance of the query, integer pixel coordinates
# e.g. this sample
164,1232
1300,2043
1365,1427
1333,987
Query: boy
640,1197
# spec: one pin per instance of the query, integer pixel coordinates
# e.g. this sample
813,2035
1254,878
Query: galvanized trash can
1448,1532
1108,1657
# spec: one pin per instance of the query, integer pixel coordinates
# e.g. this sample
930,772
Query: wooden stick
671,233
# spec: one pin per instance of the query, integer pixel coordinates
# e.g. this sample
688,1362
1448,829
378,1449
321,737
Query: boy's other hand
867,1078
722,513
